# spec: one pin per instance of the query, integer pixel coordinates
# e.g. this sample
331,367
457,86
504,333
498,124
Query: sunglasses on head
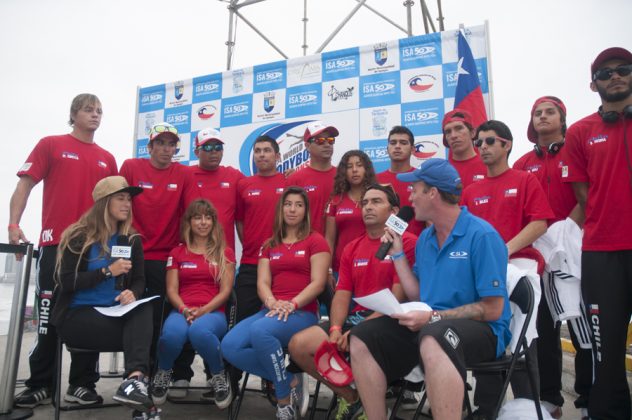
489,141
606,74
159,128
209,147
323,140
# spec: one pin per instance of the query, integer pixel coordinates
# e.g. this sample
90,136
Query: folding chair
523,297
57,397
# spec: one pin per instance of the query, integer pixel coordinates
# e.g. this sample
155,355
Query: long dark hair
341,185
280,229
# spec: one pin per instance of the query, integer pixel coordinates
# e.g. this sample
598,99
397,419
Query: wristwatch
434,317
107,272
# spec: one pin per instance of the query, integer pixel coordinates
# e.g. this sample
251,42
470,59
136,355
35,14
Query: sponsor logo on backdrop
178,90
238,81
206,88
344,94
377,88
302,99
177,119
379,119
151,98
150,120
420,117
309,72
421,82
236,109
268,101
418,51
340,63
380,53
265,77
425,149
206,112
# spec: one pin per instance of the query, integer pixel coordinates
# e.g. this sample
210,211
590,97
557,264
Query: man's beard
615,97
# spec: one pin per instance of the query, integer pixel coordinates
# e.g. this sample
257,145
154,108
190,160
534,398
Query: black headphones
553,149
613,116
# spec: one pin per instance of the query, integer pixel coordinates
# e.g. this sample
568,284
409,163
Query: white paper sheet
120,310
386,303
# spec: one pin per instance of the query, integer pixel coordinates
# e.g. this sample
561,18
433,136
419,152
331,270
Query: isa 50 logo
270,76
341,64
151,98
236,111
207,88
420,51
379,90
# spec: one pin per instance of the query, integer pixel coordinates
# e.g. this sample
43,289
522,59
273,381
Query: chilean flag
469,95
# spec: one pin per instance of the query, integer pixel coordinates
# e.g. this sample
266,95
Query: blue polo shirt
472,264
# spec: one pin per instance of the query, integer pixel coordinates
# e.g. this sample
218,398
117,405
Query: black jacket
71,281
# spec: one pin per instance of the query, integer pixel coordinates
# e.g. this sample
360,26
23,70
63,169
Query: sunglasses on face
489,141
217,147
323,140
606,74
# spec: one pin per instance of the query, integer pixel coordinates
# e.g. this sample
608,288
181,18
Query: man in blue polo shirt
460,271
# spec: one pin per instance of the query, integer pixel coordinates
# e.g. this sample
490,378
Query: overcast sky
52,50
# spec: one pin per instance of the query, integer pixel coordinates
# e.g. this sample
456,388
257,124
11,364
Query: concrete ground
255,406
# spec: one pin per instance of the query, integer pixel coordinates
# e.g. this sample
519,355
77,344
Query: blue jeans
204,334
255,345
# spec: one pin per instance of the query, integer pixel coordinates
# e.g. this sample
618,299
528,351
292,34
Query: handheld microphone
122,249
399,224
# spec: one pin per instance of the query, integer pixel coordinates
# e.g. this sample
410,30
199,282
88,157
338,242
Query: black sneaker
222,390
409,400
32,397
210,394
160,386
285,412
82,395
133,393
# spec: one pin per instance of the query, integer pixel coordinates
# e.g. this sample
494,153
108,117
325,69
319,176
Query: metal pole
342,24
16,327
424,17
440,18
239,15
247,3
401,28
426,12
230,44
490,79
409,16
304,46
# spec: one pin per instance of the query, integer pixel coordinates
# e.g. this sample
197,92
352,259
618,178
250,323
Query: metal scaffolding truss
235,12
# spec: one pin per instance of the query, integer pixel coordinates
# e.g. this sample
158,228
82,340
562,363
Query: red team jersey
470,170
220,188
548,170
70,169
403,190
157,211
291,268
319,185
349,224
595,153
362,274
257,197
509,202
197,281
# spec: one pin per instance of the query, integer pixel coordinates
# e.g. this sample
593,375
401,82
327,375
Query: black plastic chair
58,372
523,296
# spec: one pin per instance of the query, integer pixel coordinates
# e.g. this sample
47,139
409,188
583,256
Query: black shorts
396,348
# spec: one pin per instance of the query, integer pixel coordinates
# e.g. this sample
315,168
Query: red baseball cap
451,117
532,135
316,127
331,365
610,54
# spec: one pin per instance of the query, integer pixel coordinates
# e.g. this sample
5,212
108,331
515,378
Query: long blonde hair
92,227
215,243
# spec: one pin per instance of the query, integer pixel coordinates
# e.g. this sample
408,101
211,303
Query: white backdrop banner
363,91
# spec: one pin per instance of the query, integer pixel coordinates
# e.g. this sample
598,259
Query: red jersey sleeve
172,260
229,254
318,244
344,274
239,211
537,207
574,155
37,164
191,190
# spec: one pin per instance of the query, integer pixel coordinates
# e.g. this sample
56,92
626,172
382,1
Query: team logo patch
511,192
26,167
172,187
459,255
495,283
362,262
300,253
254,193
279,190
533,168
478,178
188,265
481,200
146,185
200,184
276,255
102,164
169,261
597,139
69,155
452,338
224,184
564,171
310,188
344,211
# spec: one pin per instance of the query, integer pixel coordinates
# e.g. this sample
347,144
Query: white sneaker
179,393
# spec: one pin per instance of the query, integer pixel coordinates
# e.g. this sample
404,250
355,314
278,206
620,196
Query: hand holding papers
120,310
386,303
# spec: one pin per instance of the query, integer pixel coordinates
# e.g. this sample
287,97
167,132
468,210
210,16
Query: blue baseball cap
436,173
